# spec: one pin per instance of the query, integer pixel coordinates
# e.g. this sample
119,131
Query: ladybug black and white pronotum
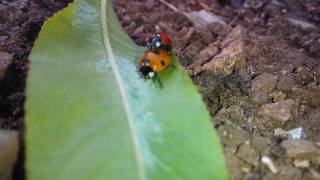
159,41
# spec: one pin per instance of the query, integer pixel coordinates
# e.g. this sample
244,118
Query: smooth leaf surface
89,115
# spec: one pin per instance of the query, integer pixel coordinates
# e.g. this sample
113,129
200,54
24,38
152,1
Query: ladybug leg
156,78
168,48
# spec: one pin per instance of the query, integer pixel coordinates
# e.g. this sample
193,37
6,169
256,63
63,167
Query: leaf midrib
134,137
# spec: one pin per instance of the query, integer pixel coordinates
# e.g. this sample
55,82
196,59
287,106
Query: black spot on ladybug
163,63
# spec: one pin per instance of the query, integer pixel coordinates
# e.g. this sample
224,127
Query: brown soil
274,45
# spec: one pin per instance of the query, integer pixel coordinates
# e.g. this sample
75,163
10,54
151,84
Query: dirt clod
260,144
260,97
286,84
301,149
232,56
265,82
281,111
248,154
285,173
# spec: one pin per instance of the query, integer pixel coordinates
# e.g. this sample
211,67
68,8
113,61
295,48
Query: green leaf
89,115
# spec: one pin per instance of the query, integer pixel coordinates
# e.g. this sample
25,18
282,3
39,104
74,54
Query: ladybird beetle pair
157,58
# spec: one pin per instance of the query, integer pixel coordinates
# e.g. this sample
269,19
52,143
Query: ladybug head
146,70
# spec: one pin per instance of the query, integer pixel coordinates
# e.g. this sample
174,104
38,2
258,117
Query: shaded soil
273,43
20,22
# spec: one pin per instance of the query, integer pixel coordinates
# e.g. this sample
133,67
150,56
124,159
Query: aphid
152,63
159,41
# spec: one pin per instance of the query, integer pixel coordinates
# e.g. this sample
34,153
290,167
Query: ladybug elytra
152,63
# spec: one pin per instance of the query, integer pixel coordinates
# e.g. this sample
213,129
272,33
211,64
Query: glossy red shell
165,39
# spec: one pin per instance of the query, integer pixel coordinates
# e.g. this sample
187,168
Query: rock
286,84
285,173
303,76
247,73
218,29
5,60
207,36
312,96
193,49
265,82
234,164
300,149
235,113
232,136
9,146
314,174
310,123
230,57
301,163
306,26
260,97
206,54
192,35
296,133
260,144
200,19
279,132
248,154
222,116
126,19
233,55
238,33
269,163
196,70
278,96
308,96
280,111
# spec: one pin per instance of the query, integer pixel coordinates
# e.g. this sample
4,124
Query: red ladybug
159,41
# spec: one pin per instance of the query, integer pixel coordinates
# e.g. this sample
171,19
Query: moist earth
255,62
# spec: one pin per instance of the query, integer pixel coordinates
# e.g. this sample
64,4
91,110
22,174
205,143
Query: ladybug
159,41
152,63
